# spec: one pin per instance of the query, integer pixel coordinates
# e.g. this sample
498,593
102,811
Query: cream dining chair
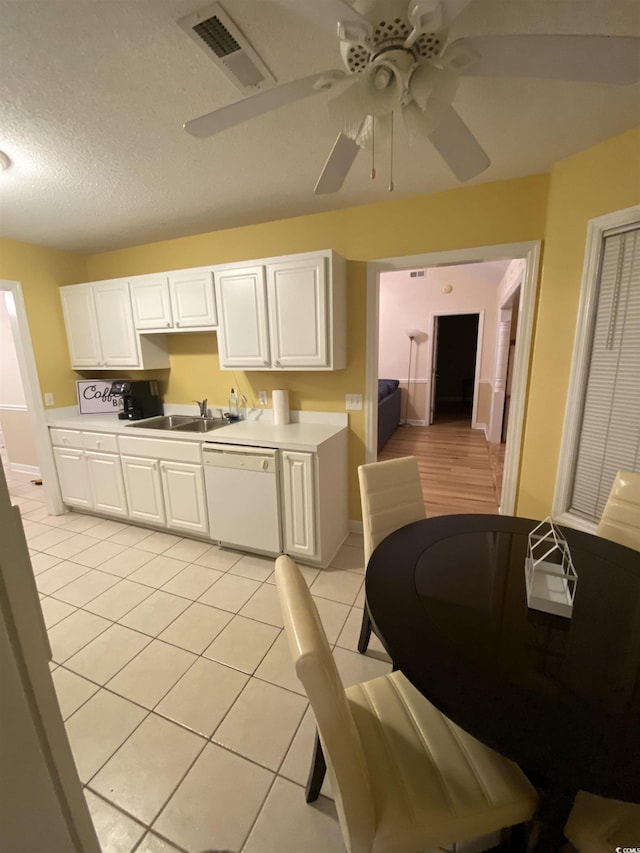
620,520
404,777
598,825
391,496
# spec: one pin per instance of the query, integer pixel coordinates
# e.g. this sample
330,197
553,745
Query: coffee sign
95,397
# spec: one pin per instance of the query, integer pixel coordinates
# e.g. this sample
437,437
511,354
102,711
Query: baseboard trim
17,468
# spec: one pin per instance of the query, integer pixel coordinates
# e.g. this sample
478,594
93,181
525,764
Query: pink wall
409,303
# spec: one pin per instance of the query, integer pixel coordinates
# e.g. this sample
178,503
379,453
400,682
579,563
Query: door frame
530,251
33,395
433,317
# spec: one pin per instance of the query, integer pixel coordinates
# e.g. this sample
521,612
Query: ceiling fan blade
458,147
595,59
337,167
325,13
451,9
270,99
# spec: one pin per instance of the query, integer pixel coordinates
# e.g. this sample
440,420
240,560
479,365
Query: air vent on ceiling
214,31
416,274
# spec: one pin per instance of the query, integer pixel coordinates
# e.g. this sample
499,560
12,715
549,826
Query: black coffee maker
139,398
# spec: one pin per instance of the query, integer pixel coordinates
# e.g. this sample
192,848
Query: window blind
609,437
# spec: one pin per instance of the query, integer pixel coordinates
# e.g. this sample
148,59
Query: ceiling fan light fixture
376,101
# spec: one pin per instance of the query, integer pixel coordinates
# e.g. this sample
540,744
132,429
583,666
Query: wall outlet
354,402
262,398
48,400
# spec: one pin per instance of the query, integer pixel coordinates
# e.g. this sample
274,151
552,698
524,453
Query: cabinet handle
168,325
177,324
277,363
98,444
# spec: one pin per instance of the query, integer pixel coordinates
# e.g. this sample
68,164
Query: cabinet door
151,302
106,483
143,489
183,487
193,300
297,299
298,487
243,336
115,324
72,475
80,322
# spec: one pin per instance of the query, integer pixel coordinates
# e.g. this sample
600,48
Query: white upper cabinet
288,313
151,302
183,300
81,324
193,300
101,334
243,333
298,321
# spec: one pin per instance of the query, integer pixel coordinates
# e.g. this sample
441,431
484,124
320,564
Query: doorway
453,367
530,253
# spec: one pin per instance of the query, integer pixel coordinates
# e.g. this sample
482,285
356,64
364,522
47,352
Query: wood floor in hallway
459,470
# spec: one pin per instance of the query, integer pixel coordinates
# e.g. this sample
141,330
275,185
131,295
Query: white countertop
294,436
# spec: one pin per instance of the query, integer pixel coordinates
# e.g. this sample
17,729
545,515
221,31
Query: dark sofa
388,409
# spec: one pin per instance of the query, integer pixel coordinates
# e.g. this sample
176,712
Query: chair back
620,520
391,496
316,669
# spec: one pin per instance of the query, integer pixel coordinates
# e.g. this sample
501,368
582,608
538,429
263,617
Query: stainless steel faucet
202,405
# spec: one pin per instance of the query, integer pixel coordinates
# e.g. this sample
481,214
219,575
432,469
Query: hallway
460,471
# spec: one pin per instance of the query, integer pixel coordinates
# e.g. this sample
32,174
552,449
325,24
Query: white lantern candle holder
549,572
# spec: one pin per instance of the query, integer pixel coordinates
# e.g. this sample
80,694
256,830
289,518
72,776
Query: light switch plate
354,402
48,400
262,398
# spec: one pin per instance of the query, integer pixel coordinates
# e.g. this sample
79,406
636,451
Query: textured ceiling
94,93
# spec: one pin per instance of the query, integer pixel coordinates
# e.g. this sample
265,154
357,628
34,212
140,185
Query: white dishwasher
243,500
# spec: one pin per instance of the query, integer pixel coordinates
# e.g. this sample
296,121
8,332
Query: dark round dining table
559,696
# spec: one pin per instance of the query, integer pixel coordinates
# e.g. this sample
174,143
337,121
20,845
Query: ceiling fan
399,62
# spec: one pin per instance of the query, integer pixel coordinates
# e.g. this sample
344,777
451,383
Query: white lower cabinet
183,489
299,504
106,483
73,477
164,481
143,487
88,479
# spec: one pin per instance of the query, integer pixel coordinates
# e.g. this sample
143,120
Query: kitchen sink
202,425
181,423
164,422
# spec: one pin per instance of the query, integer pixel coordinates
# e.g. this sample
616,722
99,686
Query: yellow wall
41,272
589,184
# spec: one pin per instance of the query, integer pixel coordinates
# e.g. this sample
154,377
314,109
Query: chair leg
365,632
316,772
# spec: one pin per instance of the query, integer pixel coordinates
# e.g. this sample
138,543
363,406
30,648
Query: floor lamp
411,334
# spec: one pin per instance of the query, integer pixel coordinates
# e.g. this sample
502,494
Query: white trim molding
530,252
579,374
13,407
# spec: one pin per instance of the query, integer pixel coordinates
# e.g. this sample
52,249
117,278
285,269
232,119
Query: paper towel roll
280,407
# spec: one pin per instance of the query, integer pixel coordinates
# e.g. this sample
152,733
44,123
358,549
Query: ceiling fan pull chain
391,156
373,148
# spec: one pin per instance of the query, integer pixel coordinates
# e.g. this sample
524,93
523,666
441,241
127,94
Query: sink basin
163,422
201,425
181,423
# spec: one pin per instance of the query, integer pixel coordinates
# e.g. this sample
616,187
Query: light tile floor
188,726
